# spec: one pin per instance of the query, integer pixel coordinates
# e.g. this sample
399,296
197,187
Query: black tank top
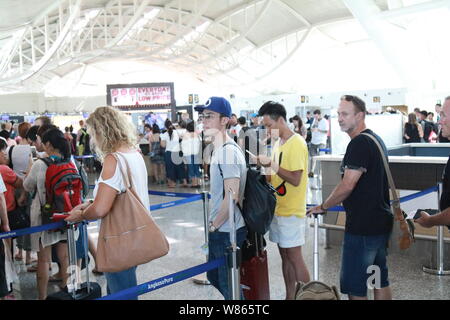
412,132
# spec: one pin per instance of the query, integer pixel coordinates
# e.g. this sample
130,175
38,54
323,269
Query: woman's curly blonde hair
110,129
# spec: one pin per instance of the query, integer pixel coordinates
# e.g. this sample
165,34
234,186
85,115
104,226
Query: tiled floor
183,226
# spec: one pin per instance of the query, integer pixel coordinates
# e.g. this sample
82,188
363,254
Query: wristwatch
211,227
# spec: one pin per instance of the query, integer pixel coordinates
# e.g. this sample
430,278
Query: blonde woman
113,133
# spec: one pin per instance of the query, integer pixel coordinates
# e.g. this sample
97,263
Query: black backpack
259,201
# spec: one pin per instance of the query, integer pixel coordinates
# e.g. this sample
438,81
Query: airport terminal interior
159,60
184,228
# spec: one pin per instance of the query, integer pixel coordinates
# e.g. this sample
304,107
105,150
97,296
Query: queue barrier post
233,254
439,270
201,279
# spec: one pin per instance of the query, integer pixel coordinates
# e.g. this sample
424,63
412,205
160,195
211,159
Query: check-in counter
413,170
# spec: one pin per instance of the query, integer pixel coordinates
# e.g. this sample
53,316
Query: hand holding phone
431,212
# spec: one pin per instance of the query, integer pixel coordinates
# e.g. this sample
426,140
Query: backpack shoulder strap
47,161
10,157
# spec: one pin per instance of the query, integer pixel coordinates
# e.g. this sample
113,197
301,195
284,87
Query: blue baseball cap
216,104
253,115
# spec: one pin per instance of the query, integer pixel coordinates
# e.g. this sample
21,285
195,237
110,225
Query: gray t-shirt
232,163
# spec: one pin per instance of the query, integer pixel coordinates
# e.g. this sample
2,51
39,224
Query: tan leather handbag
128,234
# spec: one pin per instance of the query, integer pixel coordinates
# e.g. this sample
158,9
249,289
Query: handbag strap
128,180
396,202
125,176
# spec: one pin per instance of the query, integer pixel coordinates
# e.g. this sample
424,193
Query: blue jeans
118,281
359,253
173,171
193,166
218,244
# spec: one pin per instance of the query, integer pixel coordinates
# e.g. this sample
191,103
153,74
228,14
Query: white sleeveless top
138,175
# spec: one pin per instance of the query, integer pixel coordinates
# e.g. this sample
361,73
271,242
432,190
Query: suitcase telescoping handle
86,254
74,275
73,256
316,247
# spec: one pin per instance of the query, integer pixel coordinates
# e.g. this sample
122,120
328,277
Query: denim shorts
363,257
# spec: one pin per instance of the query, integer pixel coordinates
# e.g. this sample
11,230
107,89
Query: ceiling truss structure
180,33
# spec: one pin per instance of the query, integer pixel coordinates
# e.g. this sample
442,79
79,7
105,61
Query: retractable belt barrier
62,224
178,276
164,281
402,199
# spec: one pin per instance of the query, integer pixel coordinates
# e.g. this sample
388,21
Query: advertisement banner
140,96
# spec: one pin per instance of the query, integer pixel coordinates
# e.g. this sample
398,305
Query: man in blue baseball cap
227,172
216,104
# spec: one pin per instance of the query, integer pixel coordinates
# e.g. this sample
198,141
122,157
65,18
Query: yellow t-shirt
294,157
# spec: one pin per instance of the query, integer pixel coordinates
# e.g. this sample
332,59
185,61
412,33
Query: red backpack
63,188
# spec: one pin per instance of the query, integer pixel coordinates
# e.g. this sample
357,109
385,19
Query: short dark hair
273,109
5,134
359,104
416,110
424,113
317,111
431,113
3,144
438,105
242,120
156,129
32,133
44,119
42,129
56,138
190,126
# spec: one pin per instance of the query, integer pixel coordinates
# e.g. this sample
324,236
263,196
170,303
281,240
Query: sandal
33,268
54,279
95,271
30,262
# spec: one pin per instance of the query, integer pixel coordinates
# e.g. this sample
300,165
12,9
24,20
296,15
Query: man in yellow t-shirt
289,164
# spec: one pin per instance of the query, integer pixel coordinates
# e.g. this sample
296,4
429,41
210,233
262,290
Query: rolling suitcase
76,291
254,270
316,290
